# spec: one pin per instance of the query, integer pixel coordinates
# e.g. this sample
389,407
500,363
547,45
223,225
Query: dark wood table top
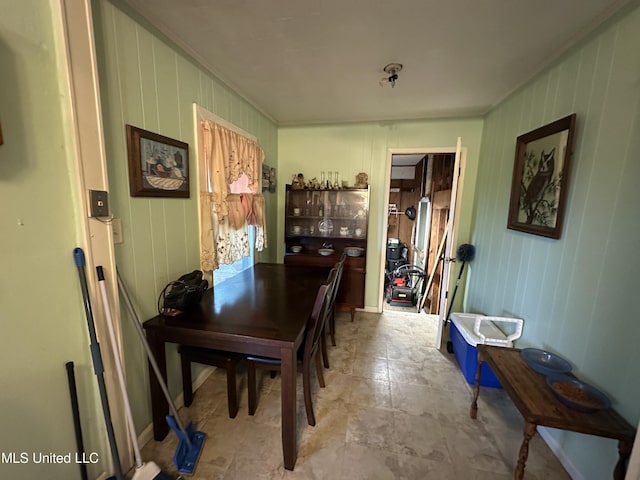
249,307
537,403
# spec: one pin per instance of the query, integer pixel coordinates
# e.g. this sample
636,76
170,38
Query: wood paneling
577,295
441,182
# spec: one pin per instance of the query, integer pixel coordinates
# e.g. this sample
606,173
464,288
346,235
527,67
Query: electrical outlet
117,230
98,203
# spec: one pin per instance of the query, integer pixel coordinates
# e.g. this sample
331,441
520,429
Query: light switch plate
98,203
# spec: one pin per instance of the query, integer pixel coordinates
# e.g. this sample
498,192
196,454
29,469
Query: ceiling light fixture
392,70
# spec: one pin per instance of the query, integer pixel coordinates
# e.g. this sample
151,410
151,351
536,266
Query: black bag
183,294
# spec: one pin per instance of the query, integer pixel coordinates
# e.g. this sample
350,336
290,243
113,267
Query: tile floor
394,407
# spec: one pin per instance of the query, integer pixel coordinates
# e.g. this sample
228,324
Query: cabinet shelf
327,237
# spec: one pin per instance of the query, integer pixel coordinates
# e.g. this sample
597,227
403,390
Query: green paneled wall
147,82
42,320
363,147
576,294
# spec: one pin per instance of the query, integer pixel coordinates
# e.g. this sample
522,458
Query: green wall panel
576,294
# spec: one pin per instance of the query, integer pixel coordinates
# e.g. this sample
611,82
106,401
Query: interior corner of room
76,72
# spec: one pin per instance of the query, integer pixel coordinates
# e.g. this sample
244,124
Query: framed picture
541,177
158,165
266,171
272,180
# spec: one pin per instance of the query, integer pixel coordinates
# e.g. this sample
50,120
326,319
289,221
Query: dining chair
332,303
314,330
216,358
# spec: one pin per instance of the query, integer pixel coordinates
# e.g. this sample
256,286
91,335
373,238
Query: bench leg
473,413
624,452
529,432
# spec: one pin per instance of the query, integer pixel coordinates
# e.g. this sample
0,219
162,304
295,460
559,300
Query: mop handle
136,323
75,410
116,358
96,357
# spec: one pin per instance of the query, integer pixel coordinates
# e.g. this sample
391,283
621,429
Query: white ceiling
322,61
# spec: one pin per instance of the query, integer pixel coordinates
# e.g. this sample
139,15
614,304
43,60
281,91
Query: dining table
260,311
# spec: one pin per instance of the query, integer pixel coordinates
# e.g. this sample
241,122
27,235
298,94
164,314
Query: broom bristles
466,252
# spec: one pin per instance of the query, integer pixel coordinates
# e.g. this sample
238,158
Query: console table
538,405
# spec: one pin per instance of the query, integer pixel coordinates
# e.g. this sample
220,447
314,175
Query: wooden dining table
260,311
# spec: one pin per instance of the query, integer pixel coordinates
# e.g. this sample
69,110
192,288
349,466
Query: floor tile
394,407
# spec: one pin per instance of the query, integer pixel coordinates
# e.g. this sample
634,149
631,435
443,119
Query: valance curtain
230,198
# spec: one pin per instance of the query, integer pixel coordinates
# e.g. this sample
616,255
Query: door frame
79,75
385,223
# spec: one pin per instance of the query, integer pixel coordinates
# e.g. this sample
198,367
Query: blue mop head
189,447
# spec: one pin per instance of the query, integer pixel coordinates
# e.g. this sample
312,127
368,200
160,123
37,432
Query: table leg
159,405
288,400
476,388
624,452
529,432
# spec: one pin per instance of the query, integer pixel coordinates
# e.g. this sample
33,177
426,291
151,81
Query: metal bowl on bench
576,394
545,362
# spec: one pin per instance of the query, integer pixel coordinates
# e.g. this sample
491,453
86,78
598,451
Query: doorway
419,201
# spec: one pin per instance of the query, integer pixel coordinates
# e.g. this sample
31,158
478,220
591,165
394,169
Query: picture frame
266,171
158,165
272,180
541,178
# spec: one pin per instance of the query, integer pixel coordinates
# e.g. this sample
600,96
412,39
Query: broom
465,253
144,470
190,441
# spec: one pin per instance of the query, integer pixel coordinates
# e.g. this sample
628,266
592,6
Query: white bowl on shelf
354,251
296,248
326,251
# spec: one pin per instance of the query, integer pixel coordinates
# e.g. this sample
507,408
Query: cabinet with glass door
322,224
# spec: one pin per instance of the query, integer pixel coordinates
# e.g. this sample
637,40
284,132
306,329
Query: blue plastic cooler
467,331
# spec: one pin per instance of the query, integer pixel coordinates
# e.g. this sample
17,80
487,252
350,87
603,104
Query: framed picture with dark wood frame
158,165
541,177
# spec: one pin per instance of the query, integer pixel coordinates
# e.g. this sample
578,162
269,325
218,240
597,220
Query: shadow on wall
12,151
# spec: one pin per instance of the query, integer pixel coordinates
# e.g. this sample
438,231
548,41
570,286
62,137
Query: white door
444,285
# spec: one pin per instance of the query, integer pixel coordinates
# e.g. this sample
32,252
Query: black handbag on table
183,294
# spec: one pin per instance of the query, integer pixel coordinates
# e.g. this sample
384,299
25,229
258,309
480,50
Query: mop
96,357
190,441
144,470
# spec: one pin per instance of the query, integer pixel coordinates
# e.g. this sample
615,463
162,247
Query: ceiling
322,61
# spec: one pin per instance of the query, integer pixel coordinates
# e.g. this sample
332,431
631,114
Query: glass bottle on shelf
336,180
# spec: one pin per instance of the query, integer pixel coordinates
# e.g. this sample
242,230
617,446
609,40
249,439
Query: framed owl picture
541,177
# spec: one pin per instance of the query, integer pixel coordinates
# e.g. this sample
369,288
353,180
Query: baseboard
559,453
147,434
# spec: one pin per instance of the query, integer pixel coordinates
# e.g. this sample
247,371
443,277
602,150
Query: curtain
230,198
